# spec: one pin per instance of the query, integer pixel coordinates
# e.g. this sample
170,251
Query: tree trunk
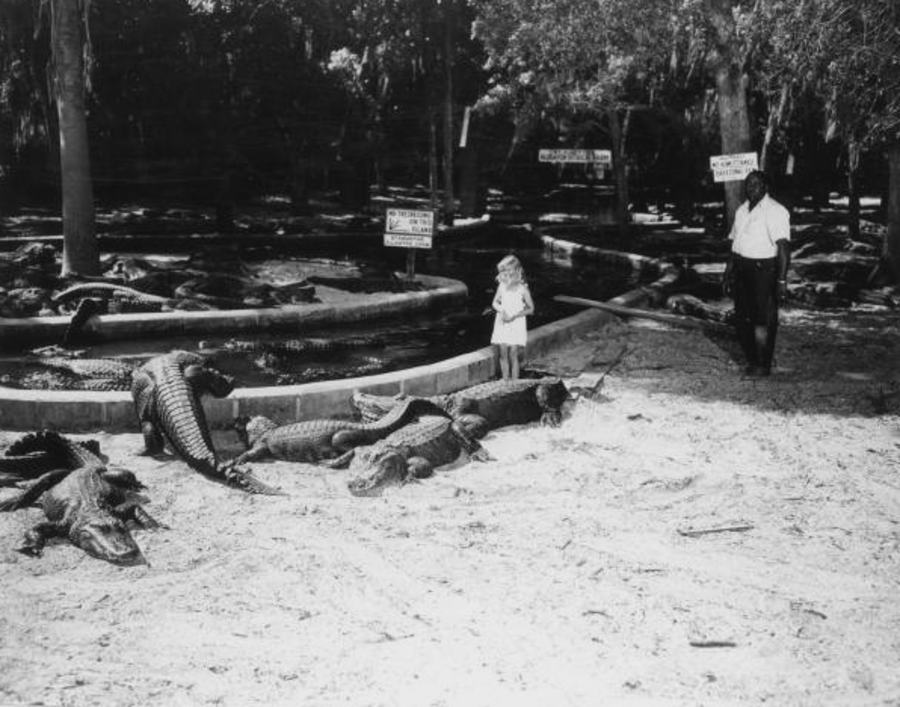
853,189
776,116
449,199
891,252
620,171
731,89
432,159
81,253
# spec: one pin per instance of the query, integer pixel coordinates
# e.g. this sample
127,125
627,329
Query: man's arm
784,263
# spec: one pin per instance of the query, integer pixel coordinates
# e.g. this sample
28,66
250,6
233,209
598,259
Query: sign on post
729,168
601,158
409,228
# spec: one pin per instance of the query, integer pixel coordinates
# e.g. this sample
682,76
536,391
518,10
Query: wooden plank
622,311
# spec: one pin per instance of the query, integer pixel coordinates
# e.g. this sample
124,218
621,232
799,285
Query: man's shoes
757,371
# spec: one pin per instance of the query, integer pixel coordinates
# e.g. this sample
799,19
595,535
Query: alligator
413,452
369,366
25,459
104,290
25,302
166,391
90,299
84,501
500,402
313,441
690,305
389,282
63,373
297,347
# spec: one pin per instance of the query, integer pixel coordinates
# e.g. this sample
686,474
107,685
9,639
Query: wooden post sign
411,229
730,168
601,158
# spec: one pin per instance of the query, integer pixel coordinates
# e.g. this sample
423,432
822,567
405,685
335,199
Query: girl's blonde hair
512,264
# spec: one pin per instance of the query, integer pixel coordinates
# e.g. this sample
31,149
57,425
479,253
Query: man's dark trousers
756,304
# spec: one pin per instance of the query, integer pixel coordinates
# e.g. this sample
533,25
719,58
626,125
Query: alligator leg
250,455
134,511
31,494
37,537
472,447
340,462
153,439
418,468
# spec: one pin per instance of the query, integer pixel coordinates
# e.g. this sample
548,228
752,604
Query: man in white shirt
756,273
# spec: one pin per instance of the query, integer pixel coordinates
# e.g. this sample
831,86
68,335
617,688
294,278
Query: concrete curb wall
81,411
77,411
441,293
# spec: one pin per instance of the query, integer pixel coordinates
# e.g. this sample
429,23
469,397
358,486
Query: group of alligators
396,439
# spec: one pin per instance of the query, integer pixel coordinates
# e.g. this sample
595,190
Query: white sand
558,574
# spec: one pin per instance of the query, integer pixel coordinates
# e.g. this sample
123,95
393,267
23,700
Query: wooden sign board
409,228
598,157
729,168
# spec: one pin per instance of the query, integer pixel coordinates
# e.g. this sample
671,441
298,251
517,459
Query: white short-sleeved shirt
756,231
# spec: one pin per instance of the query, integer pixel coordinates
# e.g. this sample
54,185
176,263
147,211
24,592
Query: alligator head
107,538
385,468
250,429
550,397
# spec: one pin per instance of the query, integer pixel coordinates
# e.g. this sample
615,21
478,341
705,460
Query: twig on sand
690,533
615,362
713,644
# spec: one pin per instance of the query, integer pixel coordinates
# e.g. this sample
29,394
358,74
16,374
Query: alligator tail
232,475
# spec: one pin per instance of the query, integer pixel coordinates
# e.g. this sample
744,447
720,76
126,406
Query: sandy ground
565,572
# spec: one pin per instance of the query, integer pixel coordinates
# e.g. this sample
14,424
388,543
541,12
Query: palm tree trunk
81,253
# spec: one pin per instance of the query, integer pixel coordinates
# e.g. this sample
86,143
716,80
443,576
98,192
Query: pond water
393,344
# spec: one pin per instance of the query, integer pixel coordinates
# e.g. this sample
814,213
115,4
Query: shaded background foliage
219,100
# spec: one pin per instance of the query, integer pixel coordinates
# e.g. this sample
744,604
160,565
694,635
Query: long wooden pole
622,311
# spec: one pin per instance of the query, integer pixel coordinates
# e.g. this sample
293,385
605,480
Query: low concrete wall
86,411
441,293
78,411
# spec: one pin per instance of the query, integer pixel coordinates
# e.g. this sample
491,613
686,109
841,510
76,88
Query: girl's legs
514,362
504,361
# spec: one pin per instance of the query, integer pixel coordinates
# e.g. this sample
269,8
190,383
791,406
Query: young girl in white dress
513,304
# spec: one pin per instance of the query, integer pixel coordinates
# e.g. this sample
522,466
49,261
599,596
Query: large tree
68,20
844,53
595,62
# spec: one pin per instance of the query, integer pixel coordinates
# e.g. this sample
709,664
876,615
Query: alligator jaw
110,541
390,469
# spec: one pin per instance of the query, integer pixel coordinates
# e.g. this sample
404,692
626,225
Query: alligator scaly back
315,440
166,391
413,452
500,402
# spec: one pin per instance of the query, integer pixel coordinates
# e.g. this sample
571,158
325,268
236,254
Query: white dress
512,301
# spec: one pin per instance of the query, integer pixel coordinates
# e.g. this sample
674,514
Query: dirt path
565,572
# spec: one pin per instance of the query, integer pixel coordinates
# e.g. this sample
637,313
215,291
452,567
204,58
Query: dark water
397,343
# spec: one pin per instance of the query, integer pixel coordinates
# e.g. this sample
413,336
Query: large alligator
298,347
499,402
26,459
94,298
66,373
413,452
84,501
313,441
166,391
